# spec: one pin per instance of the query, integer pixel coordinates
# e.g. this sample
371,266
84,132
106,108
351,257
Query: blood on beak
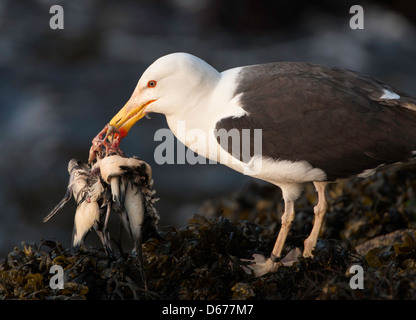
128,116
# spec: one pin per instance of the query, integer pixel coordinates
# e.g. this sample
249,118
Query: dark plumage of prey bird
132,196
318,124
114,184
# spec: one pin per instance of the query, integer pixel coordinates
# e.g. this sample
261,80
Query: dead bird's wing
64,200
78,173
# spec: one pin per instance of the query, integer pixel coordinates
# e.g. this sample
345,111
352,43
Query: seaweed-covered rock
24,274
202,260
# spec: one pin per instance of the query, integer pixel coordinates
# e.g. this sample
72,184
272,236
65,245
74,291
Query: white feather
389,95
85,217
134,206
115,188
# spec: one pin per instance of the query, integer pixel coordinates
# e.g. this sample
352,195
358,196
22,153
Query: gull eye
151,84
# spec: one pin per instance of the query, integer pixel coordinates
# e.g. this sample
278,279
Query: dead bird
133,196
114,184
92,200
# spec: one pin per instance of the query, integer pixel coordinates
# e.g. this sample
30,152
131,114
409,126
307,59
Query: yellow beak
128,116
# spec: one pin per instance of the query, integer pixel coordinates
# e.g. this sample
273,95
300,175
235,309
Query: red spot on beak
122,133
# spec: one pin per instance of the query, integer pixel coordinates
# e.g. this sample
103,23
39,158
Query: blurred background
58,88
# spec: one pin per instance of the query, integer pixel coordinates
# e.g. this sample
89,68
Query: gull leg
320,211
287,220
262,266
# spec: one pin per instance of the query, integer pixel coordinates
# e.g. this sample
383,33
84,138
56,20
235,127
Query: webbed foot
261,266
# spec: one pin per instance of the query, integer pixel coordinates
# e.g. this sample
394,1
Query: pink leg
111,146
320,211
114,146
262,265
97,143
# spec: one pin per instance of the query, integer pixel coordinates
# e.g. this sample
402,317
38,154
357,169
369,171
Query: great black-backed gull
318,124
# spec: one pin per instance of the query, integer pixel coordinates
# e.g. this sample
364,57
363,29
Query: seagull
318,124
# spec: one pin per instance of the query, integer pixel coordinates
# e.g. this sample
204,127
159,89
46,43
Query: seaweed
370,223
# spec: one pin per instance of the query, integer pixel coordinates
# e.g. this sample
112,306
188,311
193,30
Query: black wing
335,119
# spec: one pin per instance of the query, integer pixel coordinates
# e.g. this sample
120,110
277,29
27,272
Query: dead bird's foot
260,266
111,146
114,146
97,143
